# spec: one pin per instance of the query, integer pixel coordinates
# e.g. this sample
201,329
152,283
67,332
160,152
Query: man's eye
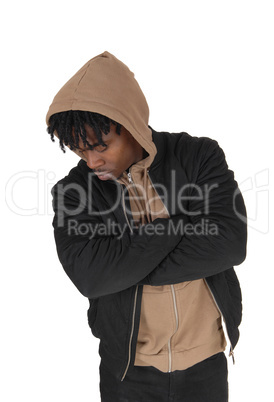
100,148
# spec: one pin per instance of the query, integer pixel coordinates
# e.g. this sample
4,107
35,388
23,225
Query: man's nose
94,161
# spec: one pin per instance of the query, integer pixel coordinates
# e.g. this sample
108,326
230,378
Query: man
148,226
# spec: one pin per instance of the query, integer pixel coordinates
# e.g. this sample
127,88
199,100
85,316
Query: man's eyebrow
91,147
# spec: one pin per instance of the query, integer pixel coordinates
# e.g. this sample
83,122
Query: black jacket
109,260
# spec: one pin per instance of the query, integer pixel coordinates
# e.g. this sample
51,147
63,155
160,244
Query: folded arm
98,262
215,238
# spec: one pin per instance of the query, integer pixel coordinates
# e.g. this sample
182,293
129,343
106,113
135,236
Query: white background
206,67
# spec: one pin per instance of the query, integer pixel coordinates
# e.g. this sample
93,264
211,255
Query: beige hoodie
105,85
180,324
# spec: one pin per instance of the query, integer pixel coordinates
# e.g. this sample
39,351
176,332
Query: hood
105,85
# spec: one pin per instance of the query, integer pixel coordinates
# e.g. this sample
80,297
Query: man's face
109,162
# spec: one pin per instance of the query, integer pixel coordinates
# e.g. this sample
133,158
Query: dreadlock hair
70,127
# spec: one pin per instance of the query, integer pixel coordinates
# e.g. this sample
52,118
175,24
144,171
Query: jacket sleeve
104,263
215,238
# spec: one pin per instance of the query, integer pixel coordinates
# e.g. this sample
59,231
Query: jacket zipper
124,209
132,182
135,301
131,333
231,353
129,177
177,325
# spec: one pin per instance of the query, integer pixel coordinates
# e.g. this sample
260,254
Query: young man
148,226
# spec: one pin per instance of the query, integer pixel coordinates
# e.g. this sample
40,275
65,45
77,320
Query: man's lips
104,175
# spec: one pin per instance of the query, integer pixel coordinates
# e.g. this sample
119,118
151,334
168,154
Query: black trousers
203,382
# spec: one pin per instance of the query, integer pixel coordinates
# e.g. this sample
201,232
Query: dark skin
110,161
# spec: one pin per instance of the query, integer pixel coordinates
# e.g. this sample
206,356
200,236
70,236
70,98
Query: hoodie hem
181,360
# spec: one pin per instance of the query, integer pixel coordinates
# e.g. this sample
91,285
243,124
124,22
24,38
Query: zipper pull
129,177
231,353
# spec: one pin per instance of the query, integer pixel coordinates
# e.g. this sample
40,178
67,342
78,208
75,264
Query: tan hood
105,85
